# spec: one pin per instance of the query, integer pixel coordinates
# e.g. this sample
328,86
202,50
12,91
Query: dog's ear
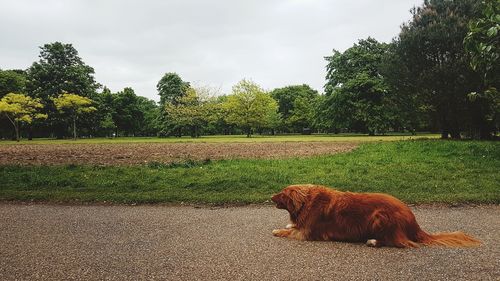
297,197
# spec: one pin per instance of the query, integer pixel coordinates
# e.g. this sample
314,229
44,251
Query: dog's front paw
371,243
290,225
281,232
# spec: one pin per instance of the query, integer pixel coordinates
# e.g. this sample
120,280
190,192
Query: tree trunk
249,132
445,128
455,134
444,134
74,128
30,132
16,127
15,124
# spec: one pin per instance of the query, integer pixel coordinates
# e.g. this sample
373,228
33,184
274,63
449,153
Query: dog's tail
447,239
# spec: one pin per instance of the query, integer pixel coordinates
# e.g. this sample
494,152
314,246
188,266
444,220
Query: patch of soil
140,153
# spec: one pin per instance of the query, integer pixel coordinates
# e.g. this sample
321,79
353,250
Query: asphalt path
67,242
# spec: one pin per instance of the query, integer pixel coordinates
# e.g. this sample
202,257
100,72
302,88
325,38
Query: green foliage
12,81
483,41
126,113
434,64
482,44
170,87
189,111
250,107
407,107
414,171
59,70
295,105
149,125
356,91
20,108
74,106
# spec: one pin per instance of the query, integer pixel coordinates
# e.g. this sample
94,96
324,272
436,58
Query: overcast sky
208,43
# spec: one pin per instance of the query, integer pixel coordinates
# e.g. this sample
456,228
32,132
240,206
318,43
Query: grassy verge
414,171
233,138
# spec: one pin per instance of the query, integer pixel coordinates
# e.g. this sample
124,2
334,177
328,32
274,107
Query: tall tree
126,114
19,108
103,124
74,106
356,92
149,125
170,87
302,114
410,112
430,50
249,107
188,112
287,100
59,70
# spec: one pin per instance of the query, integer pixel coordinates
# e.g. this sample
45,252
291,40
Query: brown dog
320,213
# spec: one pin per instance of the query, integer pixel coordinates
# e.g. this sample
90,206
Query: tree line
441,73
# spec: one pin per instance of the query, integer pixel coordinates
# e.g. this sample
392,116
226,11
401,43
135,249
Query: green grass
423,171
232,138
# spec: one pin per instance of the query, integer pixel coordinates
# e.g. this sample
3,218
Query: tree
59,70
187,111
482,44
430,50
286,98
409,111
302,114
216,117
19,108
12,81
249,106
127,114
170,87
356,91
148,125
74,106
102,120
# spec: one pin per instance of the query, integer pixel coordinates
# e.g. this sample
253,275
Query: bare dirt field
140,153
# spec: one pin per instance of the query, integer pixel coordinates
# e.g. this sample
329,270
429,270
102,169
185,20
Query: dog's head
292,198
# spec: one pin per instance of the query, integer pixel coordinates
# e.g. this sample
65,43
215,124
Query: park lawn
419,171
232,138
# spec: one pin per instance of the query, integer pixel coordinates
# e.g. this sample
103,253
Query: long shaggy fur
321,213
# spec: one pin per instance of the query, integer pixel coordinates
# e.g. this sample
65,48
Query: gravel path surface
140,153
54,242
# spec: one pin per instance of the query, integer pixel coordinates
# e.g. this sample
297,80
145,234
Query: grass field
421,171
232,138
